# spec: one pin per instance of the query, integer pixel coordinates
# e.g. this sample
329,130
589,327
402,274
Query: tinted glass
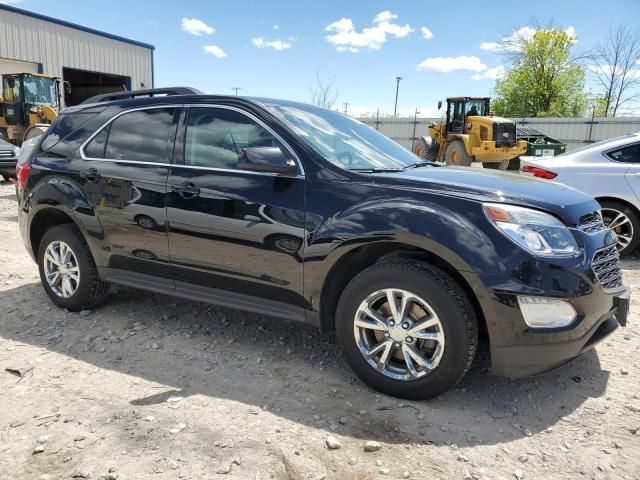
96,147
65,125
215,137
629,154
140,136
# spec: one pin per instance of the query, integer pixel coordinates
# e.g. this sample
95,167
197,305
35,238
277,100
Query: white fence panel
575,132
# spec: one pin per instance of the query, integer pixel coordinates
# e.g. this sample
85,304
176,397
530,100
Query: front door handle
90,174
186,190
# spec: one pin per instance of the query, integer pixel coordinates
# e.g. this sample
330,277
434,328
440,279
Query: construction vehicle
28,104
470,133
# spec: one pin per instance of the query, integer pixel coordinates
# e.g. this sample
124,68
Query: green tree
542,77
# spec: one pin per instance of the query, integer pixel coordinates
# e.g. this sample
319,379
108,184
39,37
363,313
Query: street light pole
236,90
395,108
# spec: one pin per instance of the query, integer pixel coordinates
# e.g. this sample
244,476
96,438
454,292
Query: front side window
216,136
627,154
142,136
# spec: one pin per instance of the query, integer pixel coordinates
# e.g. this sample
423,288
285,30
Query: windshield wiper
376,170
424,163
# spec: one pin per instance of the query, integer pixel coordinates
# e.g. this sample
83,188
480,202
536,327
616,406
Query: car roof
180,99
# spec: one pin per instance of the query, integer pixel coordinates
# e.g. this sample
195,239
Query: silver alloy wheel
399,334
61,269
620,224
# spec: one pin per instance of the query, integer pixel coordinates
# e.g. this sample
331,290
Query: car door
125,166
231,229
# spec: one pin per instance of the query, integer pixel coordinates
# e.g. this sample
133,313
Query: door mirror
265,159
439,104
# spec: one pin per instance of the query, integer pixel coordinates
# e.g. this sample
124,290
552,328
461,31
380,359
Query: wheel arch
45,219
355,261
626,203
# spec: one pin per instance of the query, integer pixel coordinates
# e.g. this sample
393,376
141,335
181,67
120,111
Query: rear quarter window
65,125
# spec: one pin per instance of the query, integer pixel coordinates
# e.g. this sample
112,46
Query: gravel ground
150,387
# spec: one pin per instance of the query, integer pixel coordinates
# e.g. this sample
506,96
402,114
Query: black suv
302,213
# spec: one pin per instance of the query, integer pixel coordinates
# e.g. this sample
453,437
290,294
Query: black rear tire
503,165
91,290
426,149
448,301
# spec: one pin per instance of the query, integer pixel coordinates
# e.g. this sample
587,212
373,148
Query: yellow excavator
28,105
470,133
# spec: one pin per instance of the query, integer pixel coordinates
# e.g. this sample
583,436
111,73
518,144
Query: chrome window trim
259,122
195,167
112,119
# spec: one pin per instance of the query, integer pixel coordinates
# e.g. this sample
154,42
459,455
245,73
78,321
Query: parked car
405,260
8,159
607,170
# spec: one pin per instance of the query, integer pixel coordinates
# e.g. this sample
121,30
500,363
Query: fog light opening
543,312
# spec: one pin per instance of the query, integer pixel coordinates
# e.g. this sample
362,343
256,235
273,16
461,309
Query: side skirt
213,296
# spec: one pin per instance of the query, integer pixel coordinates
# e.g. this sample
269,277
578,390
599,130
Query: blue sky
274,48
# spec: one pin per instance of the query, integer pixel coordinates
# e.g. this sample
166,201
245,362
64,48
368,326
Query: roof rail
151,92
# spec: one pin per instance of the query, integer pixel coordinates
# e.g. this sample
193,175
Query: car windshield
344,141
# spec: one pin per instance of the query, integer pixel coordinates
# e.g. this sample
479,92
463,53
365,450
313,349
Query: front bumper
525,360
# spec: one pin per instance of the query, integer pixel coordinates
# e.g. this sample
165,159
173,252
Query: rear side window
628,154
65,125
141,136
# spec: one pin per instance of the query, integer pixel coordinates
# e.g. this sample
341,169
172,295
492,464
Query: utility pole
346,106
415,123
236,89
395,108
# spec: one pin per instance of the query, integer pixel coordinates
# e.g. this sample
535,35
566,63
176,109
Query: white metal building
91,61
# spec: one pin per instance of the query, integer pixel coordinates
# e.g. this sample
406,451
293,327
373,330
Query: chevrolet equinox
301,213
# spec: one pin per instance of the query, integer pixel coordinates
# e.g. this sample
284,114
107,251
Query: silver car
607,170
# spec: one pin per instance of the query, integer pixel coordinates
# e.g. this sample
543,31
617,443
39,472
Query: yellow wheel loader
28,105
469,133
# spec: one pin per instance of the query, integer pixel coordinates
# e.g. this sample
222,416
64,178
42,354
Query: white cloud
196,27
215,50
260,42
608,70
452,64
276,27
346,38
9,2
426,33
512,43
494,73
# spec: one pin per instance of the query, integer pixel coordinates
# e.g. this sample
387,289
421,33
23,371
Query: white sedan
607,170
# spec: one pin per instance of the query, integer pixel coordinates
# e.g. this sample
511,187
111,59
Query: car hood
489,185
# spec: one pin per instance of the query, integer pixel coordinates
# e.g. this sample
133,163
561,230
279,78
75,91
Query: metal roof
75,26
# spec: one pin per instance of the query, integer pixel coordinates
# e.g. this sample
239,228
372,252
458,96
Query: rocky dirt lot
150,387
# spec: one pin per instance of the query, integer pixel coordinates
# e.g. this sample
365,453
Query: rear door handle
186,190
90,174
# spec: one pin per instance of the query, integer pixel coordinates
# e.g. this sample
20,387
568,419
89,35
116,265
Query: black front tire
91,289
448,300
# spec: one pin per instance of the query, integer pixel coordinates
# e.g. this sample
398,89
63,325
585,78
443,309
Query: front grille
606,266
6,154
504,134
591,223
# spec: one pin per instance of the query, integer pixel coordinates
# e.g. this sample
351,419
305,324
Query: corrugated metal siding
56,46
575,132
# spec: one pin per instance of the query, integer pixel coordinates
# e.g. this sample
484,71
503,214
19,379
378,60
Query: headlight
538,232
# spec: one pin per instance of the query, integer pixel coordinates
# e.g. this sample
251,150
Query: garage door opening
86,84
